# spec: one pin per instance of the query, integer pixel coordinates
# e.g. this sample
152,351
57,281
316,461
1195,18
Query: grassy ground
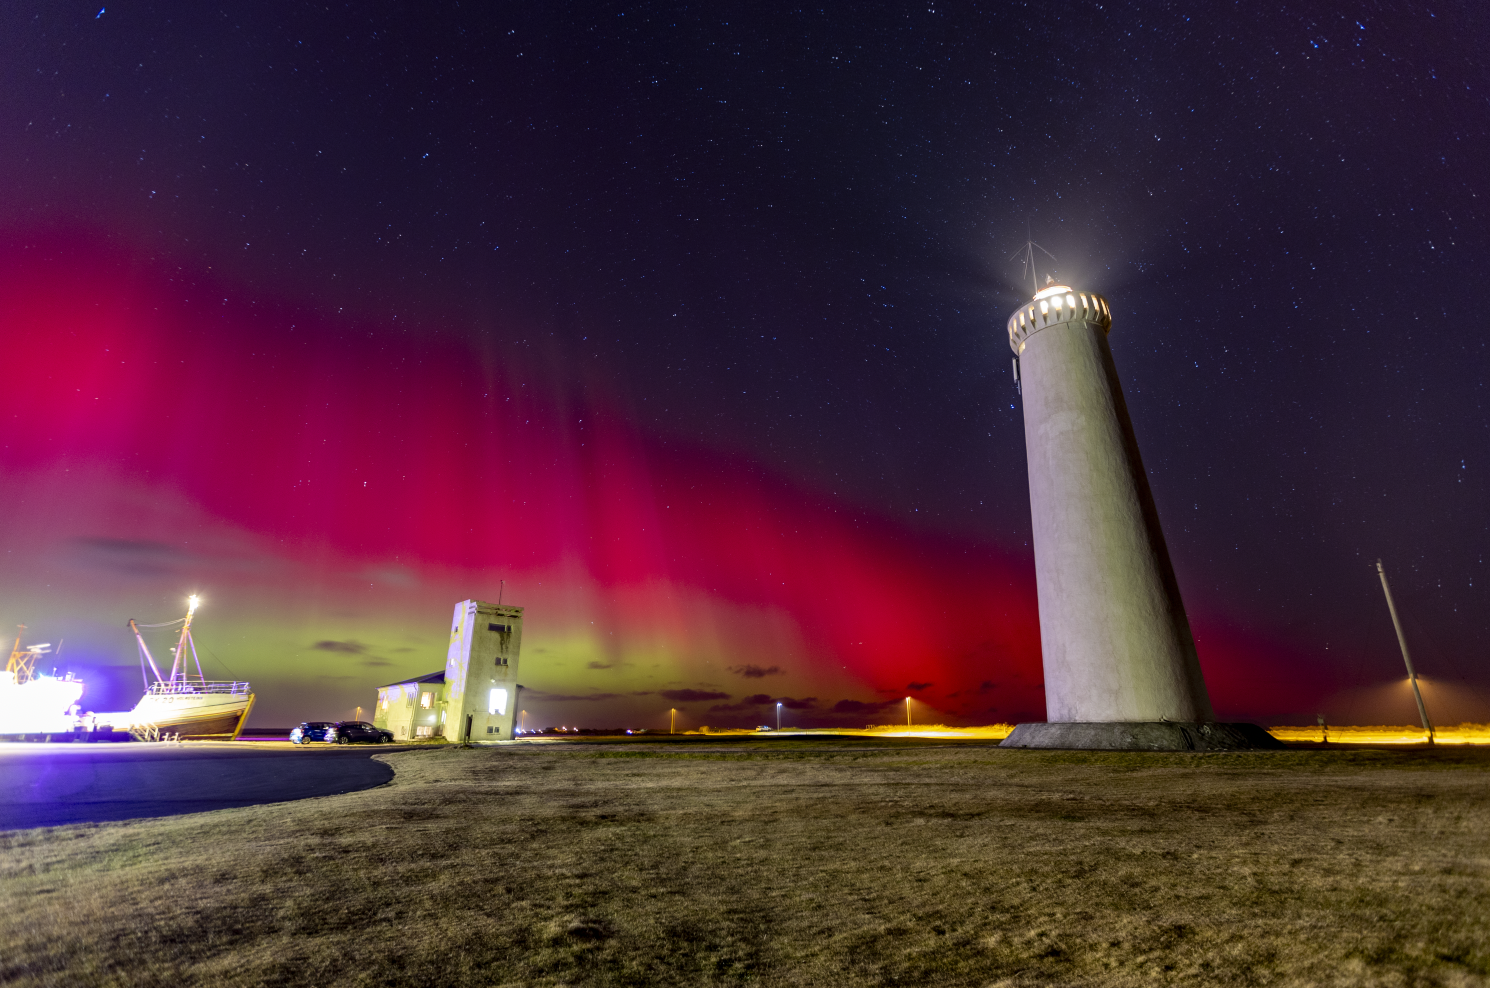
778,862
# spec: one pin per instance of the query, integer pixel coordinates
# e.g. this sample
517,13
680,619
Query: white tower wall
1116,643
481,671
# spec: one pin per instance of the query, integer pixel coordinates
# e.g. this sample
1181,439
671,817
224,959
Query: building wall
481,671
410,710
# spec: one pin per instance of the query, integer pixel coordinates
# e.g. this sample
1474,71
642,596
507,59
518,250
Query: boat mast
145,655
22,661
1412,675
184,641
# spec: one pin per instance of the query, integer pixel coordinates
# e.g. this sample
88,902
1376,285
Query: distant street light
778,715
907,711
672,724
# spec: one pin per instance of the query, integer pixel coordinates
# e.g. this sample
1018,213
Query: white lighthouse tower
1120,665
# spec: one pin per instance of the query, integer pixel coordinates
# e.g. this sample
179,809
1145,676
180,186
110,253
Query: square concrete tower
481,671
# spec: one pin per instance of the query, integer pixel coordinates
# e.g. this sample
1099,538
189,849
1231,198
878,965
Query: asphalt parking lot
47,785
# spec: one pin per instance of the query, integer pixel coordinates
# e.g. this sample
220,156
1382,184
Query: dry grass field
778,862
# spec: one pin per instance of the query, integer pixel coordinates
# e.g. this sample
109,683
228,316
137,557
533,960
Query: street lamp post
778,715
1412,674
907,711
672,723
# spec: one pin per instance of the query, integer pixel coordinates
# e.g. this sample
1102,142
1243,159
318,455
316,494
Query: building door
468,728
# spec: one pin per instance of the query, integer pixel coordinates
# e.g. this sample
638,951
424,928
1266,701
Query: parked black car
311,731
355,731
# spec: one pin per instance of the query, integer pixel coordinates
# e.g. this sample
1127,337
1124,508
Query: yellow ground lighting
993,732
1366,734
1384,734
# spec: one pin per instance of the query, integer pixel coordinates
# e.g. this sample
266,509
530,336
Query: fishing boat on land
179,705
35,706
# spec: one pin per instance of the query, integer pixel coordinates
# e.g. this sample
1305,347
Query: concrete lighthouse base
1142,736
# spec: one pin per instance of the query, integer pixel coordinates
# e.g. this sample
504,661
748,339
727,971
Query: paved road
45,785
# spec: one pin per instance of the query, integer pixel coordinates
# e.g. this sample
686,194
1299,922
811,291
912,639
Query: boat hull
192,716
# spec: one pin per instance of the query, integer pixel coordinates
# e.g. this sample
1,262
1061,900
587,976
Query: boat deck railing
194,686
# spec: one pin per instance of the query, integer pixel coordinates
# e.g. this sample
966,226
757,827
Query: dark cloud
756,672
147,557
806,703
532,694
749,703
374,663
130,557
693,696
603,665
917,687
861,707
345,648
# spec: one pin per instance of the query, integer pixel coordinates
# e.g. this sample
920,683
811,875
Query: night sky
688,323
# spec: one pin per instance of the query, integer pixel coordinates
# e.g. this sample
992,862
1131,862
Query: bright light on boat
42,705
191,604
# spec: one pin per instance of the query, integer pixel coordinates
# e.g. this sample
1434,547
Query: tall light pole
1412,675
778,715
907,711
672,723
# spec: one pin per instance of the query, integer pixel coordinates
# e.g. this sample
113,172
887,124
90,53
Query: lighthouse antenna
1026,256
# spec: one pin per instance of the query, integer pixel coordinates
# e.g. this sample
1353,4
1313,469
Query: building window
497,702
423,732
489,730
425,699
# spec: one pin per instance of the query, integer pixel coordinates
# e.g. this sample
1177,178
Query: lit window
1057,301
1083,302
1044,307
425,699
385,703
497,702
1071,301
